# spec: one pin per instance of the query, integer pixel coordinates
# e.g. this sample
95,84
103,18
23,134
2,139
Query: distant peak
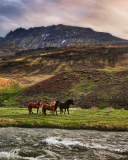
20,29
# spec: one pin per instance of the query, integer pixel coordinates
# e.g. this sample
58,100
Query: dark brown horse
34,105
55,110
65,105
52,107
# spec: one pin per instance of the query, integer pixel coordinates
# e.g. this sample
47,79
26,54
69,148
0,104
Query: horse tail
28,106
43,109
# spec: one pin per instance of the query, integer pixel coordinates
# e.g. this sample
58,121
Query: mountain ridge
61,35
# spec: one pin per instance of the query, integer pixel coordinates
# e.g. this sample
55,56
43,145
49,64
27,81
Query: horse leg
29,110
42,111
56,113
37,110
65,111
61,110
45,112
68,110
53,112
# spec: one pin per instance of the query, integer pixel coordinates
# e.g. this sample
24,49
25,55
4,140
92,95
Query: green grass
116,120
7,96
102,105
80,88
13,107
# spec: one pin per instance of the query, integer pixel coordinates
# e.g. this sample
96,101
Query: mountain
61,35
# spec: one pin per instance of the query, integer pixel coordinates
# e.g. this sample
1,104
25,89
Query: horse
65,105
52,107
55,110
34,105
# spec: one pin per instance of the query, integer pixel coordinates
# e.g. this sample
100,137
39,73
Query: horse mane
38,102
68,101
53,103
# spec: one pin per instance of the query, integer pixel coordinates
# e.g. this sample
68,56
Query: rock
83,95
96,80
93,107
122,109
56,80
65,77
109,108
39,85
90,77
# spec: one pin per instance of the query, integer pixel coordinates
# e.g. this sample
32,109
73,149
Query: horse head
53,104
70,101
57,103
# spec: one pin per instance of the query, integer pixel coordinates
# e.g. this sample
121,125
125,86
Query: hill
88,88
61,35
7,49
92,76
8,84
1,39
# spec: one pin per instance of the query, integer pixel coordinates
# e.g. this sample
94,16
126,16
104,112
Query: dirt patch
55,84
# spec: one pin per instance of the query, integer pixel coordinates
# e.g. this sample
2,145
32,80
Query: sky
101,15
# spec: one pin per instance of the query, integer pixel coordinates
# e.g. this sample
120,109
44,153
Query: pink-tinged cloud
100,15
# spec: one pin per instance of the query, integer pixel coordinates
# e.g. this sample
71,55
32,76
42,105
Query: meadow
11,115
111,120
92,76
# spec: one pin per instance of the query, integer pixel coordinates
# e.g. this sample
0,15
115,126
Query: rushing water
58,144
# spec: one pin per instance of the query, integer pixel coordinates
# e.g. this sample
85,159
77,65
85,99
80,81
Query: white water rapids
59,144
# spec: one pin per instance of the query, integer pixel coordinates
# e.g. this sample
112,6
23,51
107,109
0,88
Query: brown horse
34,105
52,107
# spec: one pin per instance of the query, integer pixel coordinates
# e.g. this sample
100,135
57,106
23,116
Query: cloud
100,15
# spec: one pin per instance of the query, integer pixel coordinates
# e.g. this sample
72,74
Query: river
61,144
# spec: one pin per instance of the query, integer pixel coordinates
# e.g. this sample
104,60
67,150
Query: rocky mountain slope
61,35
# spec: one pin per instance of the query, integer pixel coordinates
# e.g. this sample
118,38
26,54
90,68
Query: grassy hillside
92,76
8,49
56,60
88,88
8,84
